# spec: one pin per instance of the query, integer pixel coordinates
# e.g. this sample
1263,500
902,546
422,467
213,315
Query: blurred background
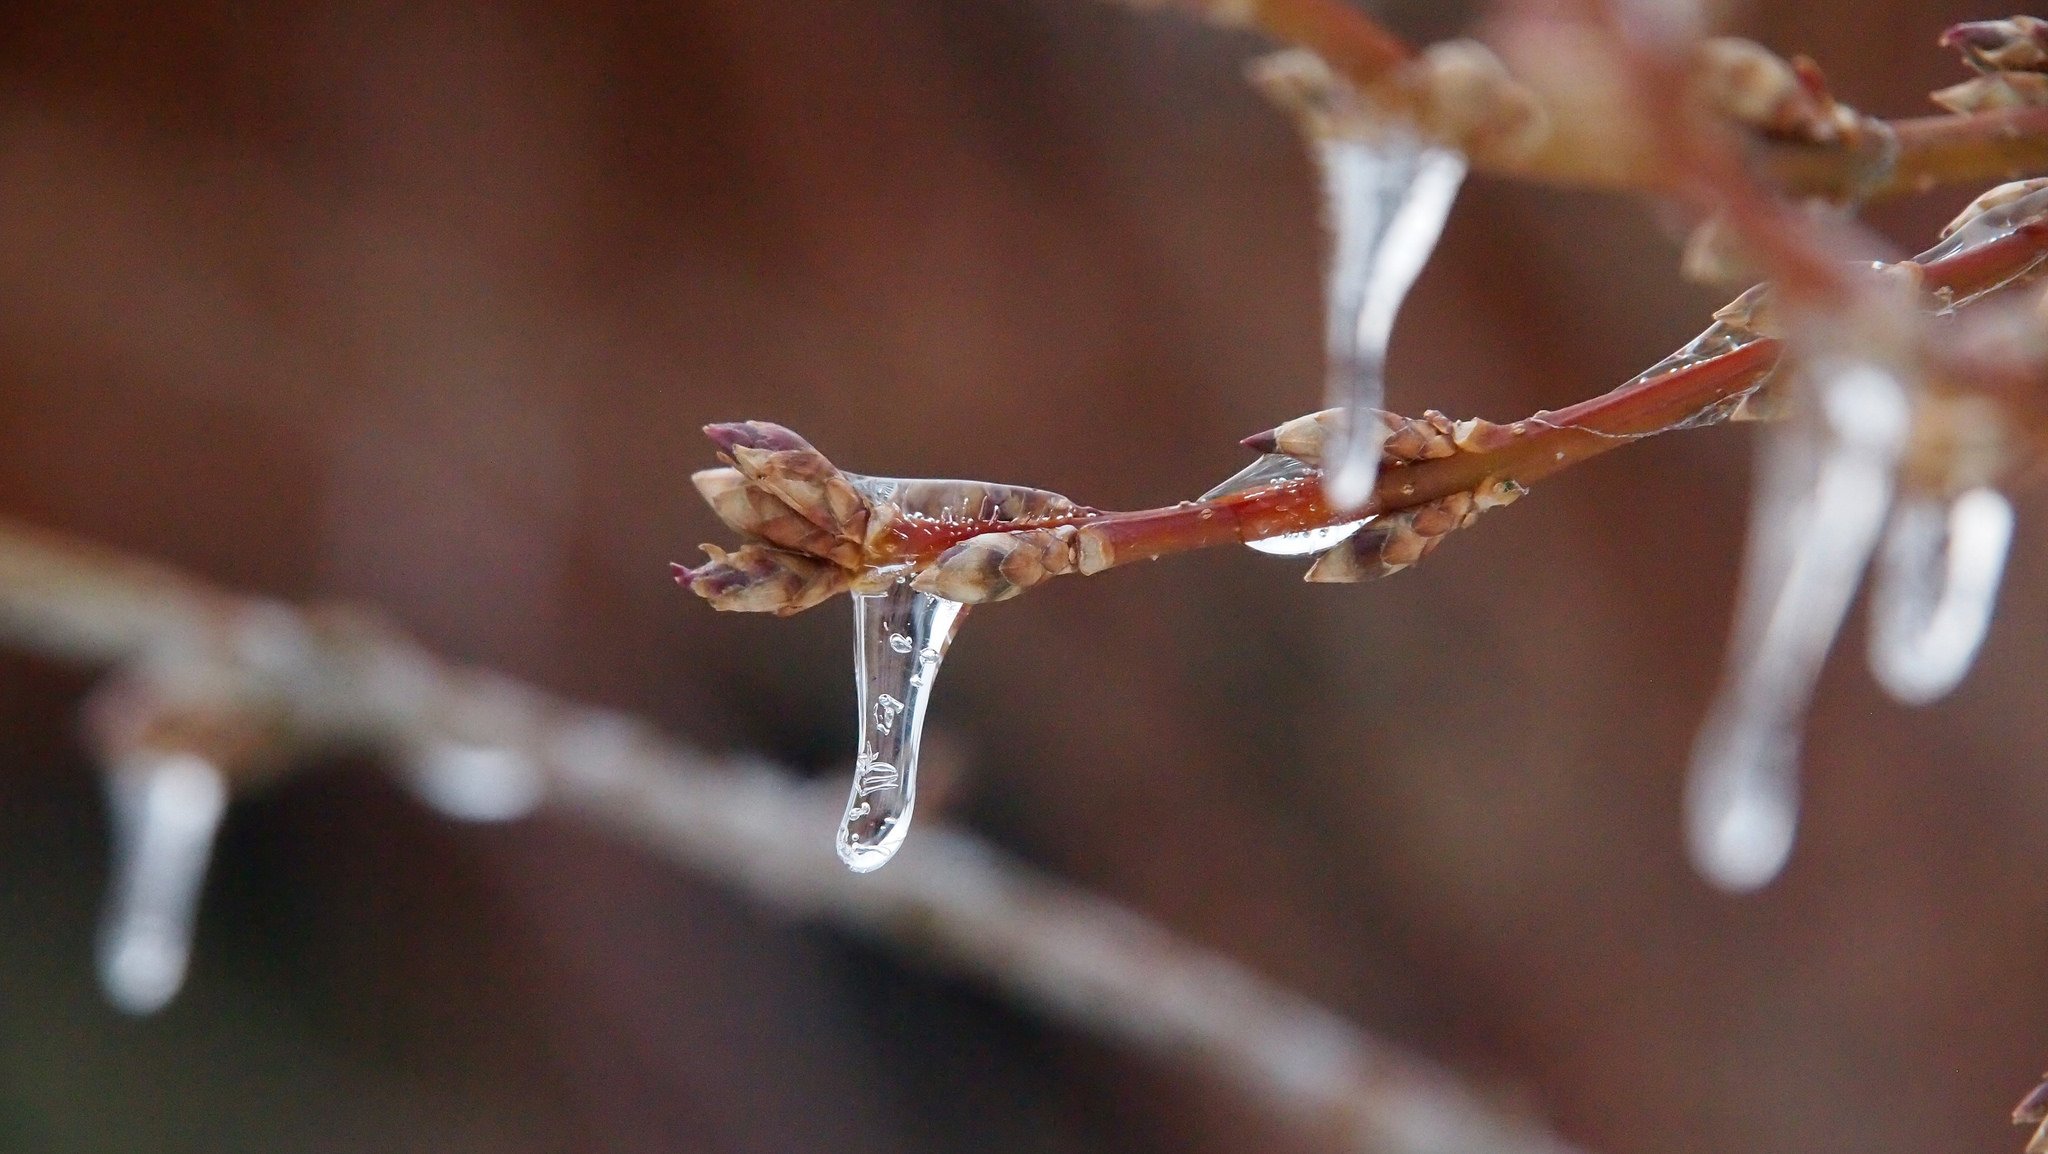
421,305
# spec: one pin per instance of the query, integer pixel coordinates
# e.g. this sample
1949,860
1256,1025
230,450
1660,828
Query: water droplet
894,690
1388,198
1821,497
1307,541
472,782
163,811
1936,585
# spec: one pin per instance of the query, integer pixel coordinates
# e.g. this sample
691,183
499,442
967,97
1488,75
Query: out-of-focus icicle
1388,198
1821,498
1936,585
164,810
899,638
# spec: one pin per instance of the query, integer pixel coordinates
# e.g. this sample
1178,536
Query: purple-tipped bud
757,579
2019,44
764,435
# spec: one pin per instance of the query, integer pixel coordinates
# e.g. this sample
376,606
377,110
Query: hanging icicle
1936,585
1388,197
899,638
1821,498
163,810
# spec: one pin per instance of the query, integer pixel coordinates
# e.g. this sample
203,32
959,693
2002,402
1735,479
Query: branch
973,542
1594,136
314,679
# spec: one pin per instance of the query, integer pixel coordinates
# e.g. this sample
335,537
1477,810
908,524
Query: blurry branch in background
1550,99
212,693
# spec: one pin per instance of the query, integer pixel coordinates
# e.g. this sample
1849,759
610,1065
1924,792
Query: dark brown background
421,304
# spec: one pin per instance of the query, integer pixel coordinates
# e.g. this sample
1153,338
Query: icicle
1388,198
899,639
163,812
1266,470
471,782
1819,505
1936,584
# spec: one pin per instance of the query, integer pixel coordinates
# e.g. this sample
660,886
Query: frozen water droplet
1307,541
1821,498
471,782
1936,585
894,689
163,811
1388,198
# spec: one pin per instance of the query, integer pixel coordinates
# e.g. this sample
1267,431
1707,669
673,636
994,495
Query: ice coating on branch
1275,467
1936,585
1821,498
163,813
1977,226
899,638
1388,197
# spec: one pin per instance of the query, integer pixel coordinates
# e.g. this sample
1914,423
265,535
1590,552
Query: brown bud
1394,541
1424,438
1302,438
2016,44
1478,435
758,579
786,465
1092,551
2033,1108
1715,255
998,566
1754,87
756,512
1994,91
1997,197
1755,311
1462,93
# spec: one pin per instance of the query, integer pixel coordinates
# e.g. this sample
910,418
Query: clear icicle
899,639
1821,500
1388,198
1273,467
163,811
1936,585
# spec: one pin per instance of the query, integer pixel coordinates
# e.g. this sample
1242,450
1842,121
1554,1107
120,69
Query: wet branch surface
308,680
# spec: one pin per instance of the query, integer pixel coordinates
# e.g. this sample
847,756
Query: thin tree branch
324,678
